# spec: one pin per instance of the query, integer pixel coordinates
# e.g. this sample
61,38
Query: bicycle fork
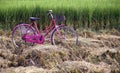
61,36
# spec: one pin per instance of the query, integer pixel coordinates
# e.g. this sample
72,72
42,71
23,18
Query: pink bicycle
28,34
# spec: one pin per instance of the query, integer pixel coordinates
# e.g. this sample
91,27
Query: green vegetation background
92,14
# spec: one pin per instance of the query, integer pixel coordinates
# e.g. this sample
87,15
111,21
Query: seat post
34,24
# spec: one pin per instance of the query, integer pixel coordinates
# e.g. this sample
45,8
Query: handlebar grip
49,12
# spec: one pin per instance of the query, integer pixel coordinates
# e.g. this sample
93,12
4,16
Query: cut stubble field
94,53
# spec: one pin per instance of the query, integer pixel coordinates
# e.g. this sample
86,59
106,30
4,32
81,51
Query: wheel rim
67,37
17,40
18,34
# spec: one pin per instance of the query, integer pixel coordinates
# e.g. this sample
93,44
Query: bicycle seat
34,18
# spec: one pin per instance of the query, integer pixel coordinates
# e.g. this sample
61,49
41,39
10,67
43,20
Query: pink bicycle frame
38,37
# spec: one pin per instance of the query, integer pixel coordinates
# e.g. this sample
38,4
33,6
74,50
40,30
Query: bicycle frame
39,37
30,33
50,27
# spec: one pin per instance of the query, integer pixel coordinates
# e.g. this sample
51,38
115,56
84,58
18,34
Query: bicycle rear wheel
64,36
18,35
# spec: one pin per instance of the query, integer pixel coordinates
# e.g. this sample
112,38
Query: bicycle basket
61,18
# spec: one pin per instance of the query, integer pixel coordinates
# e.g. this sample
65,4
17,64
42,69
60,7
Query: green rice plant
92,14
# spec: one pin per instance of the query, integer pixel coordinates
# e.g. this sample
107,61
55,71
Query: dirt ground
95,53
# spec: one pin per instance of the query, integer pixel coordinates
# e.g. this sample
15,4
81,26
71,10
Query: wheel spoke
18,34
64,36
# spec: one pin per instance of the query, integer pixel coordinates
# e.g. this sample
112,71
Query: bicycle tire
19,31
70,36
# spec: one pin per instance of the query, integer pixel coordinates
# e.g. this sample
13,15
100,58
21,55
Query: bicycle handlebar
50,12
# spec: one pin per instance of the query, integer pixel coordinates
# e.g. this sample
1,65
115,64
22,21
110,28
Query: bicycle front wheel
64,36
18,35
